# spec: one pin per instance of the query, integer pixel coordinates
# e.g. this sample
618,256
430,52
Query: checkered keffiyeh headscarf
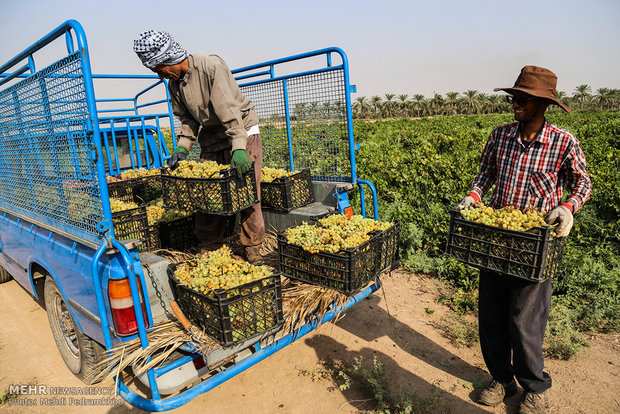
158,48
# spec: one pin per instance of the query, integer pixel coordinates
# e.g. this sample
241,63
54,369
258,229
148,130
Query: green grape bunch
334,233
117,205
112,178
269,175
218,269
139,173
357,222
193,169
506,218
157,213
208,194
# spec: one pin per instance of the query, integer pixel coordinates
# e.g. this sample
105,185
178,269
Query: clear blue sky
401,47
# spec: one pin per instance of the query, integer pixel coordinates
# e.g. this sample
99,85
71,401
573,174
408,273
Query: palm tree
300,110
471,102
314,110
484,103
388,105
376,105
327,109
404,102
562,97
604,98
451,101
437,104
582,93
340,109
362,107
418,103
494,104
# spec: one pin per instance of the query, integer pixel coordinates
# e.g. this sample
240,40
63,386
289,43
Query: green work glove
241,161
179,154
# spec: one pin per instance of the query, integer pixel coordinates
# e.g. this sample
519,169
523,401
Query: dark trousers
210,228
512,317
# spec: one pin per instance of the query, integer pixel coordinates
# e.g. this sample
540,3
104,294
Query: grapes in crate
139,173
334,233
507,217
117,205
193,169
229,298
156,213
210,187
269,174
219,270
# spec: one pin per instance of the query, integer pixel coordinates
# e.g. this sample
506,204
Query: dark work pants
210,228
512,317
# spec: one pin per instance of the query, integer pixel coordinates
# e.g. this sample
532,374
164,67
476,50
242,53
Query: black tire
80,353
4,275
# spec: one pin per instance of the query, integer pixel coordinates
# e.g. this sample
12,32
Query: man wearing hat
530,162
208,102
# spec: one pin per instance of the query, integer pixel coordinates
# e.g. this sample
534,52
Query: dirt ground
398,332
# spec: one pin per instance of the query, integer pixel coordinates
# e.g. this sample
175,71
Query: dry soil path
401,335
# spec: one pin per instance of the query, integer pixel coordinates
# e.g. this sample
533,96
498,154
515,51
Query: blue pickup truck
63,129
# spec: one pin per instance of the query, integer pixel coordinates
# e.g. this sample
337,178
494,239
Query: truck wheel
80,353
4,275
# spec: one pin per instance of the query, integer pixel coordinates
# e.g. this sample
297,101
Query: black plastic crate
287,193
132,224
153,240
346,271
179,234
386,243
147,188
534,255
233,315
122,190
223,195
387,247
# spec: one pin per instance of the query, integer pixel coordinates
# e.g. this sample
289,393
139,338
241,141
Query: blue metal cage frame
305,115
49,157
58,145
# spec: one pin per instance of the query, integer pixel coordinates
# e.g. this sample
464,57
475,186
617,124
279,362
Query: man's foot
495,392
534,403
253,255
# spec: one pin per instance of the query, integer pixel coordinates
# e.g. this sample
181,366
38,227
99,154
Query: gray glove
564,218
466,203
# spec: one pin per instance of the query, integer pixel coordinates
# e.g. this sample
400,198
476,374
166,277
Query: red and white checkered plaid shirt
535,174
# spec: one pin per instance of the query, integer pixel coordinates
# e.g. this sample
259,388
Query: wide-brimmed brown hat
536,81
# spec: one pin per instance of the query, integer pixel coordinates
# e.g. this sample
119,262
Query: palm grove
473,102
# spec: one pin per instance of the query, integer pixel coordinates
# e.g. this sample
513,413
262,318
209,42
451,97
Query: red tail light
348,211
121,304
199,362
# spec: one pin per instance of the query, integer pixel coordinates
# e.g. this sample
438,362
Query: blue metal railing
261,353
305,116
144,140
50,147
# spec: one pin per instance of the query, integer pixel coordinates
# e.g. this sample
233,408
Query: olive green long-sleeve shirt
210,106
